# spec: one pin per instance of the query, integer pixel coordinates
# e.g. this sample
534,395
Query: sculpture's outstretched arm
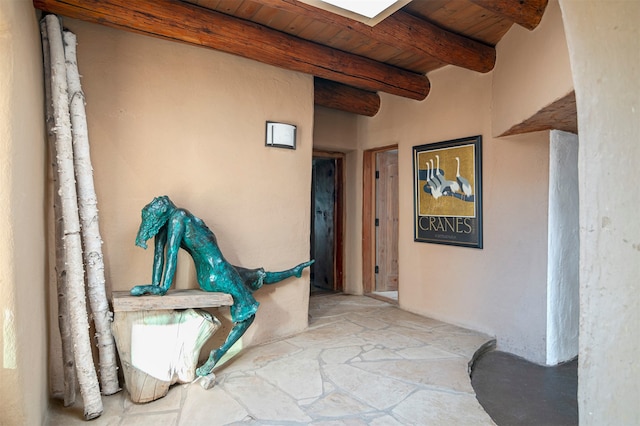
170,236
175,232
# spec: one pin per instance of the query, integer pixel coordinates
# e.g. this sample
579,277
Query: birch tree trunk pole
88,203
68,364
87,378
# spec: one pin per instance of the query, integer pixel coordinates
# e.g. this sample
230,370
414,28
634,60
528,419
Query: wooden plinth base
158,344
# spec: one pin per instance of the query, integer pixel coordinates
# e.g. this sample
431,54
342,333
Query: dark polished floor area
514,391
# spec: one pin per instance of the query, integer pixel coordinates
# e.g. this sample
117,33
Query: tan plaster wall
23,351
168,118
335,130
532,70
500,289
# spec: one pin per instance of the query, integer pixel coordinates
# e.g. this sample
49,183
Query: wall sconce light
281,135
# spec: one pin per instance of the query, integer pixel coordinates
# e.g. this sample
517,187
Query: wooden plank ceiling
350,60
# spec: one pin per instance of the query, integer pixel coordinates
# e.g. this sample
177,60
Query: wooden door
387,221
323,196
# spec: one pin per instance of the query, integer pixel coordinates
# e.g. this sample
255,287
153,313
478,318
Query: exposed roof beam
203,27
407,31
526,13
345,98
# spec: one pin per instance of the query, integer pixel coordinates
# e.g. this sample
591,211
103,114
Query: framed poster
448,192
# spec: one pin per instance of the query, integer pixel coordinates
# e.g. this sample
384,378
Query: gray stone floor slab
377,389
210,407
427,407
264,401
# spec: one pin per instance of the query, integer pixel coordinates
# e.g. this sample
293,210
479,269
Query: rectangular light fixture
281,135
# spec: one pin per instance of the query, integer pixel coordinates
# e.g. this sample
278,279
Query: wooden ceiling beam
526,13
407,32
203,27
345,98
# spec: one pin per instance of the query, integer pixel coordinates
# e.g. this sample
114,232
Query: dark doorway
326,222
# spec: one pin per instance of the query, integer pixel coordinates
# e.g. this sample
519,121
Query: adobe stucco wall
532,70
604,45
500,289
23,338
168,118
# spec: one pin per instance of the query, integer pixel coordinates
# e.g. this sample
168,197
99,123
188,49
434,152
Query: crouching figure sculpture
175,227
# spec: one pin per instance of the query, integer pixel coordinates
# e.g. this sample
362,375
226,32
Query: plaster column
604,48
563,254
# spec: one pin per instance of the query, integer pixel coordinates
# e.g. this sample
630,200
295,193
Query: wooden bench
159,337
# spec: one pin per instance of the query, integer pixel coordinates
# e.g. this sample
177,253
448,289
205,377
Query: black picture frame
448,192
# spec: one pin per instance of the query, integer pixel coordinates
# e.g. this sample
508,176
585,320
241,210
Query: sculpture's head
154,216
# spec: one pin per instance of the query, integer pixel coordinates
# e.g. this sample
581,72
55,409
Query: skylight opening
366,8
369,12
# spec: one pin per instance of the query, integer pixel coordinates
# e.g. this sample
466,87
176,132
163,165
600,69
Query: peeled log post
68,363
88,203
87,378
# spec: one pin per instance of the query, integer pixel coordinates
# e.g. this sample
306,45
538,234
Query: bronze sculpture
175,228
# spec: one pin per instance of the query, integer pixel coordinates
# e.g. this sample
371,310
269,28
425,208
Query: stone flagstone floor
362,361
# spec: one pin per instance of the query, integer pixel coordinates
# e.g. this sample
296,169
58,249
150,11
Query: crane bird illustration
447,186
427,186
464,184
438,171
434,183
434,175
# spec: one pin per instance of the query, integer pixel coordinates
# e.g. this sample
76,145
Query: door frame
338,218
369,217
